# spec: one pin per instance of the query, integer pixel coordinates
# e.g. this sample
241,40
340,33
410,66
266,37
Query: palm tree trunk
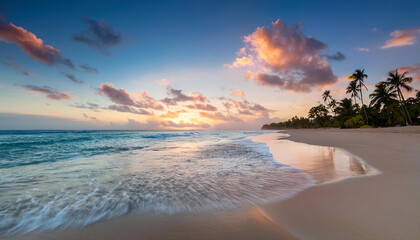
355,103
389,116
404,107
363,106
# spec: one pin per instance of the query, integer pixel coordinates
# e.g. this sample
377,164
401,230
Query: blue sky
190,43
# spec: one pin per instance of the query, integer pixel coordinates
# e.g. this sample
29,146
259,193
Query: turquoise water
58,179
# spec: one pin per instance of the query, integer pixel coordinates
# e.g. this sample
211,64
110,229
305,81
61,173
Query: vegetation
387,106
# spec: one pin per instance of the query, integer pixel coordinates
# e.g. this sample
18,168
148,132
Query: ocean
58,179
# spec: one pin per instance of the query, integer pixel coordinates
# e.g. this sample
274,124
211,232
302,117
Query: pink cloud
401,38
363,49
295,62
32,45
238,93
413,70
146,101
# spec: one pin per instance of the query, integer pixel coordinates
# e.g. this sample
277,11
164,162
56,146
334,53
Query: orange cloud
172,115
249,75
295,62
32,45
238,93
401,38
240,62
146,101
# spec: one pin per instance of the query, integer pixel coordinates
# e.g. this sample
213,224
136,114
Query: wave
153,174
170,135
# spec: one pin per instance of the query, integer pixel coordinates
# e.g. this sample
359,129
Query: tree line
387,106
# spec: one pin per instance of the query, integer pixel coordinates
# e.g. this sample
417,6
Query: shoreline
324,165
382,206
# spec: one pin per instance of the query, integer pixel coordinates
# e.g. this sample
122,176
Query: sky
183,65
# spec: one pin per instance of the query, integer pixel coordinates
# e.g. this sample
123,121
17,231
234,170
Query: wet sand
381,206
384,206
324,163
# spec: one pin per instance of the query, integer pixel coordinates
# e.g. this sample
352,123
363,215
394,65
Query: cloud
363,49
182,124
172,115
146,101
72,77
413,70
220,117
135,125
50,93
339,56
177,96
200,106
401,38
99,36
92,118
249,75
119,96
11,63
128,103
32,45
92,106
240,62
245,107
163,82
124,108
88,68
238,93
295,61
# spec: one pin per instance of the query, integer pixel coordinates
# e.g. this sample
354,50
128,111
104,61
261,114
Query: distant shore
383,206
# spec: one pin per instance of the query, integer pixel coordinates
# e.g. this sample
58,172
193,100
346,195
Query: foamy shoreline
384,206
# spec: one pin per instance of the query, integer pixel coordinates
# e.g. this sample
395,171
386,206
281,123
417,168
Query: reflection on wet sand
324,164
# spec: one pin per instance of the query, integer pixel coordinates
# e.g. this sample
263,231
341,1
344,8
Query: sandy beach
384,205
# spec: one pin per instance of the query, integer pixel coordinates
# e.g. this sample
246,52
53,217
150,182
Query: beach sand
384,206
379,206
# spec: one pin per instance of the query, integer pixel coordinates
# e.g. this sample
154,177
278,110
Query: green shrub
366,126
354,122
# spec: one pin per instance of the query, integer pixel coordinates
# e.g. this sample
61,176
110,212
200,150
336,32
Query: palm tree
358,76
329,100
397,81
418,94
352,89
382,97
326,96
346,108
